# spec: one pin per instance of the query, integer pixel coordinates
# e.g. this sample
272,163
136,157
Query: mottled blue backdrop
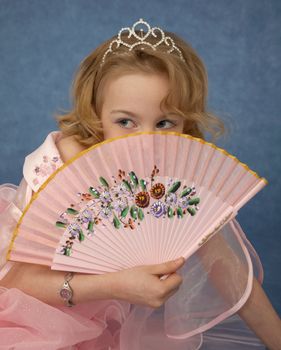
42,43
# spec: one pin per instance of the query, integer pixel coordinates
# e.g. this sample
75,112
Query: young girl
142,80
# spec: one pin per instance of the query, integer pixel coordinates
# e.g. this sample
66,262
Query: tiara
142,39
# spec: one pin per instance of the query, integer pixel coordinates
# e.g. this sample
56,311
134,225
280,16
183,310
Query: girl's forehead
135,88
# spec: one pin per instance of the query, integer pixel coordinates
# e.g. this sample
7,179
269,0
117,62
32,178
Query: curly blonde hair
187,95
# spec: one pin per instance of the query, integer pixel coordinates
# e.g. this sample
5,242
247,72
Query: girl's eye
126,123
165,124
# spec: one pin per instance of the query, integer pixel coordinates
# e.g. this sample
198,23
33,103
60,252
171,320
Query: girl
141,80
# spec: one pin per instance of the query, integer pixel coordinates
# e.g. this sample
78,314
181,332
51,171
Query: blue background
42,43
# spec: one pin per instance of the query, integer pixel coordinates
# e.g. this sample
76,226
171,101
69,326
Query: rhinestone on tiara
141,40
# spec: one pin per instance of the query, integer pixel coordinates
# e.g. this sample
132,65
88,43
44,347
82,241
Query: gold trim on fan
78,155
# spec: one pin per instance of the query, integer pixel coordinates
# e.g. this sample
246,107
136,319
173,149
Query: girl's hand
142,284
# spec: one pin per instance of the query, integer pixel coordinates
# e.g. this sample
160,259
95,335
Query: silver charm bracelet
66,292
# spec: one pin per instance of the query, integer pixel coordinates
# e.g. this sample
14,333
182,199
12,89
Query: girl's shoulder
68,147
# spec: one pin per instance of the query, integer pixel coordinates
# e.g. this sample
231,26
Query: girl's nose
148,128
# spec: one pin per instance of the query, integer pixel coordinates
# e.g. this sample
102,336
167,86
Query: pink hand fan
140,199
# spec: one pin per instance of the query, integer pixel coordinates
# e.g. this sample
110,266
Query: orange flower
142,199
157,191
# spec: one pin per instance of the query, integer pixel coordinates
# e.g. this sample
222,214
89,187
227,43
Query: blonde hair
187,96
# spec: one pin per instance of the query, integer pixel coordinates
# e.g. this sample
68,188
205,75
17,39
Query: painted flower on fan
66,249
183,202
105,196
158,209
157,191
86,216
74,229
106,212
171,199
120,203
85,196
142,199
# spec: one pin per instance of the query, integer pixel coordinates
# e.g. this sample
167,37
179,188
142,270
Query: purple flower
106,212
120,203
86,216
74,229
158,209
183,202
105,197
171,199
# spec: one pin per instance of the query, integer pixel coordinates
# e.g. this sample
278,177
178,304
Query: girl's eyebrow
132,114
124,112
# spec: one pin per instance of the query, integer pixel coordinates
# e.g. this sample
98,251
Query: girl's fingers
166,267
172,282
172,292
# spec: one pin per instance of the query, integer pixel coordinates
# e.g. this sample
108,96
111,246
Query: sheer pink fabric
217,281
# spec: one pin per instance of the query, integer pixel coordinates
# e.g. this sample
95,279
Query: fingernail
177,261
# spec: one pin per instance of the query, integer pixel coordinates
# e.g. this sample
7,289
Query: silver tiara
141,40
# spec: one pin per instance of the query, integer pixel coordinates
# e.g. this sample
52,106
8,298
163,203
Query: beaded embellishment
46,168
125,204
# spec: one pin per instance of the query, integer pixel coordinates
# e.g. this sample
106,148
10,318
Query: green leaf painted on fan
140,214
127,185
104,182
134,178
179,212
175,186
116,222
186,192
72,211
91,226
67,251
143,185
81,236
134,212
194,201
61,224
124,212
170,212
95,193
191,211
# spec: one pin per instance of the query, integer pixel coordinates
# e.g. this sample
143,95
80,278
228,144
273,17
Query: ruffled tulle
217,281
28,324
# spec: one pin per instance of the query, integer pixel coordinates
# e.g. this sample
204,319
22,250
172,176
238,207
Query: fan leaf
72,211
116,222
104,182
175,186
61,224
124,212
186,192
67,251
134,212
143,185
127,185
95,193
170,212
191,211
194,201
134,178
81,236
140,214
91,226
179,212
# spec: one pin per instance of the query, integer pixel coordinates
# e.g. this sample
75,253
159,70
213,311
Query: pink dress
217,281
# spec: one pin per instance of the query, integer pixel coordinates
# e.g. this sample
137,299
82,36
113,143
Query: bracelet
66,292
